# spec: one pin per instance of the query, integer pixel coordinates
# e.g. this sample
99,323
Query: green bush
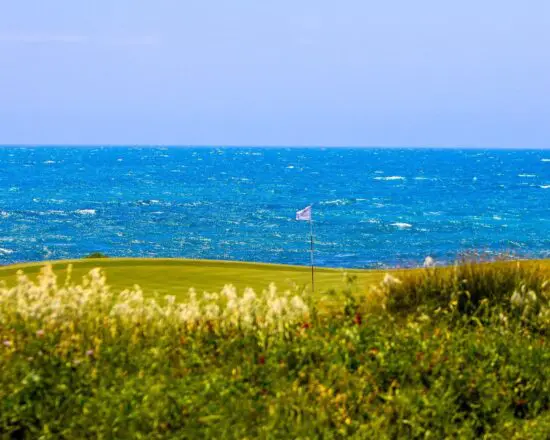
80,361
96,255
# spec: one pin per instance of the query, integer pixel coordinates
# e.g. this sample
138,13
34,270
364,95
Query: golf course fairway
176,276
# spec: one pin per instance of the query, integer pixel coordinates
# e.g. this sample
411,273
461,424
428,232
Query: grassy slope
176,276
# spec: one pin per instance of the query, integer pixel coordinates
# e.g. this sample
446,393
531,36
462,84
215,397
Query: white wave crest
545,186
86,211
52,212
337,202
401,225
389,178
545,160
527,175
4,251
370,220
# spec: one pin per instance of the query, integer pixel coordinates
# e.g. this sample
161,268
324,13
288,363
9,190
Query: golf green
176,276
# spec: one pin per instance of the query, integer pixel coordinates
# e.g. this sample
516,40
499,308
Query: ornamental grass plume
91,305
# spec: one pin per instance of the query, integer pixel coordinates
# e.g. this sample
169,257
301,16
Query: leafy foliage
80,361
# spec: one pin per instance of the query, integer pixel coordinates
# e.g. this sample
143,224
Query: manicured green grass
173,276
176,276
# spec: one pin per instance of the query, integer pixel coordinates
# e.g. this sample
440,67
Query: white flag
304,214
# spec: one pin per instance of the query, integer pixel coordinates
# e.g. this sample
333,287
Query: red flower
521,402
261,360
357,319
306,325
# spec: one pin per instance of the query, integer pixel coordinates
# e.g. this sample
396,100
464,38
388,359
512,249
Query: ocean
371,207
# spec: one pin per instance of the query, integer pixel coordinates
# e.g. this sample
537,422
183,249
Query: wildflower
503,319
249,295
89,353
298,304
277,306
516,299
390,280
544,313
374,351
212,311
230,292
424,318
7,343
429,262
40,333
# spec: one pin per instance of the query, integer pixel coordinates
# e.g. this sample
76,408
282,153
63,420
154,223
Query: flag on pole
304,214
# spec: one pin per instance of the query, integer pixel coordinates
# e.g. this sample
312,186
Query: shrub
467,285
96,255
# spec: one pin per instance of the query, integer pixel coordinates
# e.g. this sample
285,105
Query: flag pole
312,262
305,214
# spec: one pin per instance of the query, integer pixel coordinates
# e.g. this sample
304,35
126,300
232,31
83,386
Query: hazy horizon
387,147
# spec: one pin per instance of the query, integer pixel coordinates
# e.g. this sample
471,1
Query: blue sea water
371,207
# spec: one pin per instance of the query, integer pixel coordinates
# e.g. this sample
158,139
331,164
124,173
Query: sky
423,73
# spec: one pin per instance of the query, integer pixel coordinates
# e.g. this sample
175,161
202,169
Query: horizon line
405,147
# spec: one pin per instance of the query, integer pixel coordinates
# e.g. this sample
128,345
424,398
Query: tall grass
467,285
78,360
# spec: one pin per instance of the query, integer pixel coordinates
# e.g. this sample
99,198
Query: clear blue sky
286,72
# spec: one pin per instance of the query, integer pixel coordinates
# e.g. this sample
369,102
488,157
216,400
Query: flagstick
311,236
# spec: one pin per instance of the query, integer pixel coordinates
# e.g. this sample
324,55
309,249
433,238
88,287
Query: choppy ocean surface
371,207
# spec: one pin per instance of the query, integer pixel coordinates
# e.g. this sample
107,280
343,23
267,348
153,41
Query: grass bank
432,353
176,276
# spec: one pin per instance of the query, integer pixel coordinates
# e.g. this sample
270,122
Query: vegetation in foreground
440,353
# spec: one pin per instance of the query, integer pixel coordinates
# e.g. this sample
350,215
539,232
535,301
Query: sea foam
401,225
86,211
389,178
